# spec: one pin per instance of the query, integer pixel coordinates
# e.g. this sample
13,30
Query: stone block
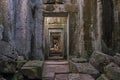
79,60
112,71
50,8
8,56
20,63
73,68
99,60
7,67
77,76
102,77
71,8
7,52
20,58
86,68
61,77
33,69
116,59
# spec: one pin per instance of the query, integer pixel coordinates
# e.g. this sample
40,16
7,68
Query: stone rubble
99,60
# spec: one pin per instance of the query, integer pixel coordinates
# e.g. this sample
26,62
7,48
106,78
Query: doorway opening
55,44
56,37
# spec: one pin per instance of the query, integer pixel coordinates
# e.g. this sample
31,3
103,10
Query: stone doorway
56,42
55,31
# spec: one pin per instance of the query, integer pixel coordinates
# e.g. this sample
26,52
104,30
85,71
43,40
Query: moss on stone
20,63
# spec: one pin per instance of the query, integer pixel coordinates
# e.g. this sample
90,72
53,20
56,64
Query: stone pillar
116,32
96,32
81,27
90,23
21,37
39,32
11,22
87,18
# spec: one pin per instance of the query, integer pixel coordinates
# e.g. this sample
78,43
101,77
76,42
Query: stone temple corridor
59,39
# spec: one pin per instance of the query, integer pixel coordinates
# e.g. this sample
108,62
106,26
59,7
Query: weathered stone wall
92,25
23,29
116,32
5,18
73,32
29,29
98,30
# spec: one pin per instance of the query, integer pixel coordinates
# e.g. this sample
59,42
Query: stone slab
86,68
77,76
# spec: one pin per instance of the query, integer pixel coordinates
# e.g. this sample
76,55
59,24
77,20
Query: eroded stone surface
117,59
86,68
76,76
8,56
79,60
113,71
99,60
33,69
102,77
7,52
61,77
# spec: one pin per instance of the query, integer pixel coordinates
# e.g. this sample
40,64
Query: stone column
22,18
96,32
81,27
39,31
116,32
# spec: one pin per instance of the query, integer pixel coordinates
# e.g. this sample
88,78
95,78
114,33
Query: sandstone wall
90,23
116,32
93,25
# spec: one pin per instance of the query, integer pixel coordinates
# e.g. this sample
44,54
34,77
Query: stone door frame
62,37
66,34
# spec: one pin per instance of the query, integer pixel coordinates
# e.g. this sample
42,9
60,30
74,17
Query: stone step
58,62
56,58
53,68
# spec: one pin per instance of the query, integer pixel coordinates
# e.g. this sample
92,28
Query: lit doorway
56,38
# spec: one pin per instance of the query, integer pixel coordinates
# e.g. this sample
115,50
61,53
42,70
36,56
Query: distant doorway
56,43
56,38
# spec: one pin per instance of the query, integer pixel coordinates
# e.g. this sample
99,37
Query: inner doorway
56,40
56,43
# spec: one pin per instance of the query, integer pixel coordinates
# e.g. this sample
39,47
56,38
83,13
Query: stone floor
59,70
56,70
